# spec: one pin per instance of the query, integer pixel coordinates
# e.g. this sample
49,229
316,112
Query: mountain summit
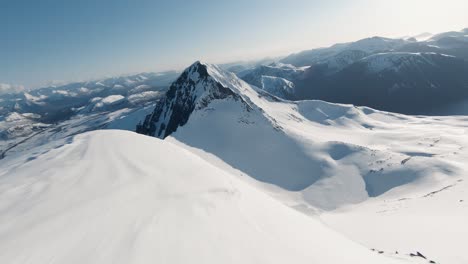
196,87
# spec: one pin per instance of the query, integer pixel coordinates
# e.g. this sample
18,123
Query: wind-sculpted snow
118,197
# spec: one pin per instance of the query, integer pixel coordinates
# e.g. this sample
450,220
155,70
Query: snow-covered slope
118,197
298,146
432,223
16,125
341,60
317,156
22,132
275,78
453,43
278,87
226,184
285,71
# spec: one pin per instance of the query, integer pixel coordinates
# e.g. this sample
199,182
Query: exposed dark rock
194,89
418,254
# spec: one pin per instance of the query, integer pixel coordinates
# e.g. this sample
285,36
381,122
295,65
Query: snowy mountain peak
197,70
196,87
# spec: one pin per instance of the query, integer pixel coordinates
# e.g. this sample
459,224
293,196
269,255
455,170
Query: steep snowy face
276,78
342,60
198,85
277,86
281,70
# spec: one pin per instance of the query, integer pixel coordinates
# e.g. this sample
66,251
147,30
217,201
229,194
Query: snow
342,60
84,90
308,136
321,158
143,96
286,72
31,115
278,86
423,36
376,44
63,92
112,99
140,88
21,136
100,198
433,223
396,60
14,117
34,99
126,120
17,125
368,45
249,178
107,101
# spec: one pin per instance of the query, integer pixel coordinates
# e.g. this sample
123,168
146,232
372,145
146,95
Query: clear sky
47,40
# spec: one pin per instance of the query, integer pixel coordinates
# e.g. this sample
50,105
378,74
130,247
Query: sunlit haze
51,40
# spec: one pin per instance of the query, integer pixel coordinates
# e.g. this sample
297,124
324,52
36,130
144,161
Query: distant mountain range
399,75
429,76
23,113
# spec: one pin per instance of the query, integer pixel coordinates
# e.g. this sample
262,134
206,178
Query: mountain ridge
251,120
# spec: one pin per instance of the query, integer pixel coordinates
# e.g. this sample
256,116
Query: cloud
10,88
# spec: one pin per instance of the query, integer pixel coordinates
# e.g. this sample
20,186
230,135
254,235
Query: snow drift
118,197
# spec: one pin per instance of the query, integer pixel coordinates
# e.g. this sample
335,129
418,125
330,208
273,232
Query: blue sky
47,40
